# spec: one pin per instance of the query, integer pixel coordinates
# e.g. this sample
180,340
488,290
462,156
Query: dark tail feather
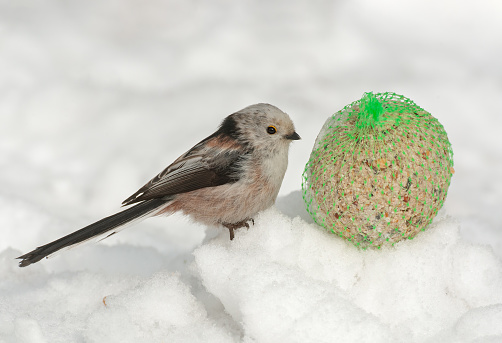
98,228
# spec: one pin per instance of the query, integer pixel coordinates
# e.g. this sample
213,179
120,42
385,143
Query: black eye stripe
271,130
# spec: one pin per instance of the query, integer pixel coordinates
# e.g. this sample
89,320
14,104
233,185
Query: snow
98,97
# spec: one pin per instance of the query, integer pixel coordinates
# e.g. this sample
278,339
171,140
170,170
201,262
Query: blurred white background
97,97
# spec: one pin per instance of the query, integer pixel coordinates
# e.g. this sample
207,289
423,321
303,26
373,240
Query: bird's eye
271,130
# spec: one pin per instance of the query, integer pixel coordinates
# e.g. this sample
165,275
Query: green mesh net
379,171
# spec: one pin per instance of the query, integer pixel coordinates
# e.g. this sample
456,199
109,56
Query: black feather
228,128
211,169
93,230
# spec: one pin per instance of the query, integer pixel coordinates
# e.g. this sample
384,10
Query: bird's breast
256,189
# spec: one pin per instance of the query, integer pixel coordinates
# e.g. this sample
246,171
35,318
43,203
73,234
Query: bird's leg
234,226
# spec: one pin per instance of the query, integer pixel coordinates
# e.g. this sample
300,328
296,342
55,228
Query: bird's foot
234,226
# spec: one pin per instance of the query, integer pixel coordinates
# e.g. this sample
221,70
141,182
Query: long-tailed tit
225,179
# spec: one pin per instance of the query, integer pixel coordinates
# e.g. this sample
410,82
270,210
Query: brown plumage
225,179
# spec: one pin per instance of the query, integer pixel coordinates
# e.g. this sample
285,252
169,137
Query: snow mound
286,280
282,280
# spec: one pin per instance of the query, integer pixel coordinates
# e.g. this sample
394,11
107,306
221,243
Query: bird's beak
294,136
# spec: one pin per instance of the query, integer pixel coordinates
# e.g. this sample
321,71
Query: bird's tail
106,226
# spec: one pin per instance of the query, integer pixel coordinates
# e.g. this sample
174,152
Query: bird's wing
205,165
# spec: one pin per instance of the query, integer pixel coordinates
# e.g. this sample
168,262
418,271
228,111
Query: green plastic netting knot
371,110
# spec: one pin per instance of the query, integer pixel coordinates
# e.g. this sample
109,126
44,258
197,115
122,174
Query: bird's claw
234,226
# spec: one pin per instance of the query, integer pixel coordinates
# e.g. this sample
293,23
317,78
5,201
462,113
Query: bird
224,180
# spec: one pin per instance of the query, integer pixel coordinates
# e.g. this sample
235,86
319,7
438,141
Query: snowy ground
96,97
